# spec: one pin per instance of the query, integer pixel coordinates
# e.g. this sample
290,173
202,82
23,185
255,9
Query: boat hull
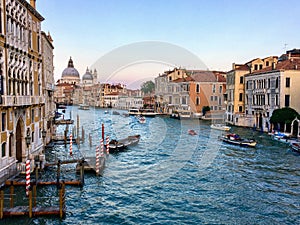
120,145
243,143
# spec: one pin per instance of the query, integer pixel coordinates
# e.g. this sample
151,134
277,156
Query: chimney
32,3
233,66
273,65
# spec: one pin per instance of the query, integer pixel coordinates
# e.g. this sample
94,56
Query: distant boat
134,112
142,112
192,132
84,107
148,112
218,126
142,119
237,140
115,113
61,107
120,145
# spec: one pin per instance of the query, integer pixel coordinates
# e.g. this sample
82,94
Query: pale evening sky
219,32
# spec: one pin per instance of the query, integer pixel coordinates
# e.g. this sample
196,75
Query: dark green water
171,177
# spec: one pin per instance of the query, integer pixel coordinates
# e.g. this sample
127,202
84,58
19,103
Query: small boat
105,112
192,132
142,119
175,115
237,140
119,145
219,126
115,113
62,107
84,107
296,146
148,112
133,112
185,114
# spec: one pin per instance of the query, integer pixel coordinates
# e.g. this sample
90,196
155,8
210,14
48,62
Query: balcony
21,100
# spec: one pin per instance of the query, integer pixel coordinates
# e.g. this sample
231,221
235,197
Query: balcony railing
21,100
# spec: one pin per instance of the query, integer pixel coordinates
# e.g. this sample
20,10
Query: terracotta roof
186,79
290,64
204,76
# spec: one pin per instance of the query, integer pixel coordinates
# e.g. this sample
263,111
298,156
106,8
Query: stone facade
23,85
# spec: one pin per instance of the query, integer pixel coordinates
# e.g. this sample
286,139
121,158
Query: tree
284,115
148,87
205,109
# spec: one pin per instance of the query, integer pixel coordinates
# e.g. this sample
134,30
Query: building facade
235,88
270,88
22,87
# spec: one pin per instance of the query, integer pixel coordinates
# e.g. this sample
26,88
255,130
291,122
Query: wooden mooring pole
82,134
58,173
11,190
90,140
62,199
1,203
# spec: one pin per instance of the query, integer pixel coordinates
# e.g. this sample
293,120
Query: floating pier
32,209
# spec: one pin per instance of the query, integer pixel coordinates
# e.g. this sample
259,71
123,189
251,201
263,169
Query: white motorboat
219,126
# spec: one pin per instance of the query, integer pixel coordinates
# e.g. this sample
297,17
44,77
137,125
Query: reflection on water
171,177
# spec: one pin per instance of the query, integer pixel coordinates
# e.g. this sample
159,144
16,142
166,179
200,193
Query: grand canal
171,177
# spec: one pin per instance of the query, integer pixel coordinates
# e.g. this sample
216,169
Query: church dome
87,75
70,71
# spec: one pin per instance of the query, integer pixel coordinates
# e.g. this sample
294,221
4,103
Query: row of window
266,83
4,118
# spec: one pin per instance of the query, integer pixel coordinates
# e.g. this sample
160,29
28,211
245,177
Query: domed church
89,77
70,75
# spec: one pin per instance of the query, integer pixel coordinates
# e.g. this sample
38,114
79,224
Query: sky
218,32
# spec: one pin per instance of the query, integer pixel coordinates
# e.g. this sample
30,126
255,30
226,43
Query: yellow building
22,86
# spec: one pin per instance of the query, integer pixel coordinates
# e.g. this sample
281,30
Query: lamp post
28,140
44,134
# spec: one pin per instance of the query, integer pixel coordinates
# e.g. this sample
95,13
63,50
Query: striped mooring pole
101,148
107,144
27,177
71,143
97,160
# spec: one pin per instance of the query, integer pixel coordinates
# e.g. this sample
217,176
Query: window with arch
198,88
197,101
3,149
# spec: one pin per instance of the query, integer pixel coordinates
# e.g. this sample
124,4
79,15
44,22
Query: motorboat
142,112
237,140
84,107
119,145
192,132
148,112
142,119
295,146
134,112
219,126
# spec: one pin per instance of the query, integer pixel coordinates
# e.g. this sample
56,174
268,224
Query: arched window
198,88
197,101
3,148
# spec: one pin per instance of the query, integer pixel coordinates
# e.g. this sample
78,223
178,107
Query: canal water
171,177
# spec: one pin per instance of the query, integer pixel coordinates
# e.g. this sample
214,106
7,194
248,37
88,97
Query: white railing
21,100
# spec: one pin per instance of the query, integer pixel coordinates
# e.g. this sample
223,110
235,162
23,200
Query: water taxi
218,126
237,140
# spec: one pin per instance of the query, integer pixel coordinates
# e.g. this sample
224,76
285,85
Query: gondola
122,144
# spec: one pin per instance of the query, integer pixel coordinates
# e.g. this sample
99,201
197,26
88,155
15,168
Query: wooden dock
64,122
32,209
